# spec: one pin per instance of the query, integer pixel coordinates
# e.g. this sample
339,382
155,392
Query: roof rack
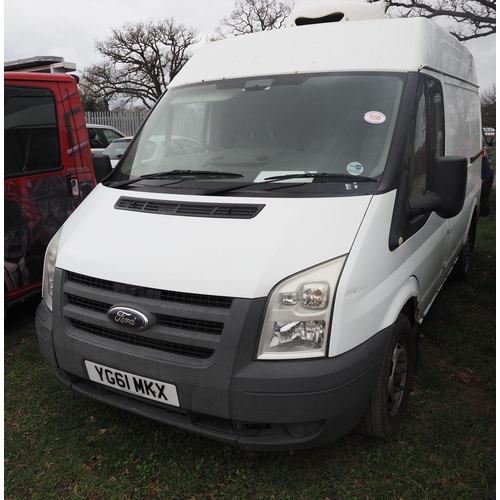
40,64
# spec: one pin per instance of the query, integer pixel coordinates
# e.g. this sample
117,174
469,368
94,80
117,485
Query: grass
59,445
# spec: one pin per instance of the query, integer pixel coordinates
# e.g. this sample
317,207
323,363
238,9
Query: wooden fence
127,122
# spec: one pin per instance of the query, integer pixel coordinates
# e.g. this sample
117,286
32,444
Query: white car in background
154,150
101,136
116,149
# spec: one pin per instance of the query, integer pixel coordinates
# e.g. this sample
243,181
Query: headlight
298,315
49,268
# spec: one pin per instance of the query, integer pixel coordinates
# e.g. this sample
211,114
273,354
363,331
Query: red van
47,166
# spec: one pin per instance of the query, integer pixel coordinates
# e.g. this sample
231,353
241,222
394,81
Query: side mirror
448,185
102,167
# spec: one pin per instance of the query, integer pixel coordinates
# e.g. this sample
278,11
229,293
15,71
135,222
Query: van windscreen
340,124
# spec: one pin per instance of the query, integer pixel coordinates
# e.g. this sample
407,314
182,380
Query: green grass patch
59,445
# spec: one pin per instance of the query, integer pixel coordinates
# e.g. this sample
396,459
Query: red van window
31,135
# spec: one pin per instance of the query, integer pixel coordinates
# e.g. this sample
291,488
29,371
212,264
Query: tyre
389,398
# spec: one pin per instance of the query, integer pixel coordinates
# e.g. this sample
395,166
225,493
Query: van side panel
463,119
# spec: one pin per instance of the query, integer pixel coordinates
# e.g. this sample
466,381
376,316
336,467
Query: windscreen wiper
320,175
173,173
325,176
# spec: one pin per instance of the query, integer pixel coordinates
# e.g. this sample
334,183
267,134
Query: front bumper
253,405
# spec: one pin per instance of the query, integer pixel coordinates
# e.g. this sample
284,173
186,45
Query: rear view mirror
448,184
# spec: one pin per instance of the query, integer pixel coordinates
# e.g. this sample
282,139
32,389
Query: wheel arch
405,301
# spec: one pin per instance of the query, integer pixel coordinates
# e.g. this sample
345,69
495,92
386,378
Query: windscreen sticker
375,117
355,168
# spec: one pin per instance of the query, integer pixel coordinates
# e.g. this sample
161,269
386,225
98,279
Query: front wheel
389,398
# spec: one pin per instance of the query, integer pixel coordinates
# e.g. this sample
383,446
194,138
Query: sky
70,29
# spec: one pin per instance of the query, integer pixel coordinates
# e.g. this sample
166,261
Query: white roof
407,44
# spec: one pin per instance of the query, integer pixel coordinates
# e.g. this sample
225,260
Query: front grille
159,345
184,324
152,293
217,210
161,319
91,305
190,324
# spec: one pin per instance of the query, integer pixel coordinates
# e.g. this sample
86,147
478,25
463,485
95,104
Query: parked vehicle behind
487,178
101,136
47,165
116,149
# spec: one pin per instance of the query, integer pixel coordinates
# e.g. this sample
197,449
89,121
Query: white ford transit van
255,268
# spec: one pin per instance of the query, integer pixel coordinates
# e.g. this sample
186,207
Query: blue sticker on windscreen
355,168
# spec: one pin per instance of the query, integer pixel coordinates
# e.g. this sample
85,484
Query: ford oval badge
128,318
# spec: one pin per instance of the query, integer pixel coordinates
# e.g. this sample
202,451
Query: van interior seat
349,141
260,132
31,150
14,151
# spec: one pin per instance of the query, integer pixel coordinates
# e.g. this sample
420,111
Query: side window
418,158
30,131
428,134
436,118
97,140
110,135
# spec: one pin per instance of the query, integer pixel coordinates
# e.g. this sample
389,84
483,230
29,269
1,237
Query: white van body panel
305,49
376,283
246,258
463,119
370,280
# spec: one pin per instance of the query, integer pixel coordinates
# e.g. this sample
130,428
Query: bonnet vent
216,210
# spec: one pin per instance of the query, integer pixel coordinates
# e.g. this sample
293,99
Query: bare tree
250,16
472,18
139,61
91,99
489,105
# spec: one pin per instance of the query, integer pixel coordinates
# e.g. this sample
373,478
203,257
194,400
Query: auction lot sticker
375,117
133,384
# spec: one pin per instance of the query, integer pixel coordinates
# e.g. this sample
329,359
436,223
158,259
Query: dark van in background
47,165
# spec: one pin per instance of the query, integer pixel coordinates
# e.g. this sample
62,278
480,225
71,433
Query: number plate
134,384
